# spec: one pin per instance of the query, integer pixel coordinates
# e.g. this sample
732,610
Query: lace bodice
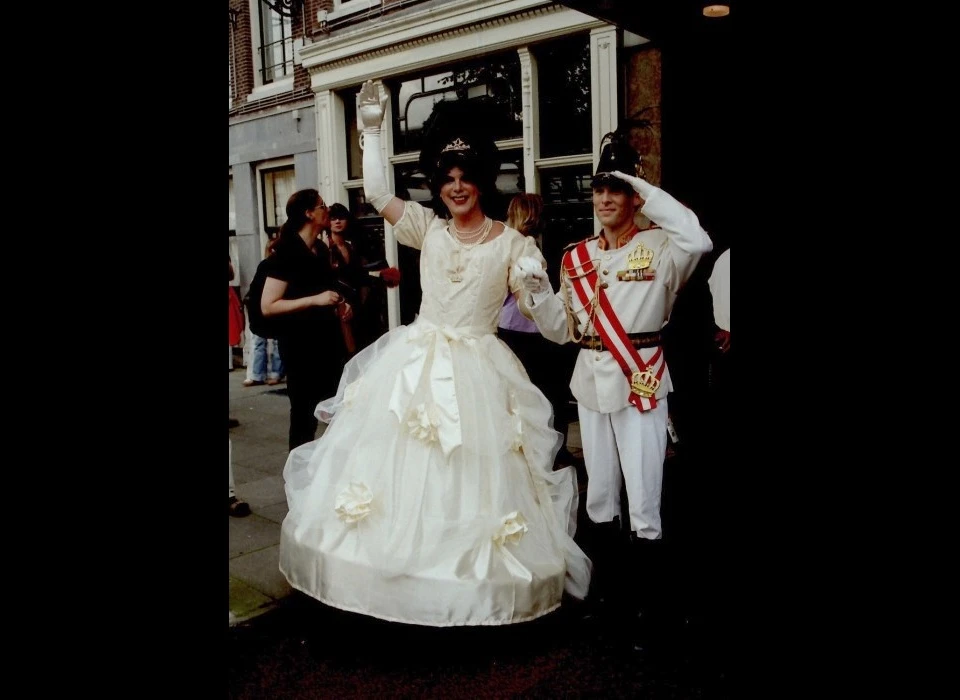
484,271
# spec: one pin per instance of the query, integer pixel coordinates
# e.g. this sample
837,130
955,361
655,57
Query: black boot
651,599
605,544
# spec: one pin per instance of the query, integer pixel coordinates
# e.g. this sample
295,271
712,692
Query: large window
496,77
277,184
276,45
564,94
565,134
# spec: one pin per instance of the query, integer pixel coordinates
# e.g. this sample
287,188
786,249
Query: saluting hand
639,185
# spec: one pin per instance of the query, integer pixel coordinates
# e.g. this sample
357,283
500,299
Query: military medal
638,265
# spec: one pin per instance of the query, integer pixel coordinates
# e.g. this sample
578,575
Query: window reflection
496,77
564,94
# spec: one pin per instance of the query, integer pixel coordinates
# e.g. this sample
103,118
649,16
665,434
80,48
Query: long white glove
532,276
639,185
372,103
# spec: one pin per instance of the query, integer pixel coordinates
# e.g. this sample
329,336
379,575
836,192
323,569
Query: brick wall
243,51
242,65
242,48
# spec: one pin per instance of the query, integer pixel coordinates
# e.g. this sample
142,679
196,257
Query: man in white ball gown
431,497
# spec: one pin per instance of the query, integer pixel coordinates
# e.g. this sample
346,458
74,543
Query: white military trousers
625,446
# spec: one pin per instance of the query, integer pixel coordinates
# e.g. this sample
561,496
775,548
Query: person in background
234,324
264,363
720,292
301,285
540,357
234,313
236,507
353,280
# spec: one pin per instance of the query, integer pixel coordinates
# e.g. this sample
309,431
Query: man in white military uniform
617,291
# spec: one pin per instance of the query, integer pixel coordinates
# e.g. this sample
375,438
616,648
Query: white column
331,155
603,84
389,239
531,118
603,88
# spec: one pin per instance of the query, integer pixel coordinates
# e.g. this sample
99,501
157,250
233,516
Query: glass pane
510,179
369,224
567,209
564,94
276,48
496,77
412,184
278,185
354,154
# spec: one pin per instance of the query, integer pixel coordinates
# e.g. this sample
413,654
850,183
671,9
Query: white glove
639,185
530,273
371,105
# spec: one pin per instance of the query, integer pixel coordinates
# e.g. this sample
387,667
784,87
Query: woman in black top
300,286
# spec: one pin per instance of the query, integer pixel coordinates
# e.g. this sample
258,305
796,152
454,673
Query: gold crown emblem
644,383
640,258
456,145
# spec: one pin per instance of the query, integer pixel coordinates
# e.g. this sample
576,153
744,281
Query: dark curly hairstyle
457,135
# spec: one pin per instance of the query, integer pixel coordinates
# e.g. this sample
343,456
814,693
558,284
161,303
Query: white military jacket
642,305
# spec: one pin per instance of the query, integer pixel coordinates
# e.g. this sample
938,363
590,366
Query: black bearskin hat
616,154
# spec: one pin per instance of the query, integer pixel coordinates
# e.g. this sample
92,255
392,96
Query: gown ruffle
430,498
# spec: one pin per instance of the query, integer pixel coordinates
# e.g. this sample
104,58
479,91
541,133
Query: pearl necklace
480,233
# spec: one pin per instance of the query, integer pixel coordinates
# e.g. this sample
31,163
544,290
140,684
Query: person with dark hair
347,263
617,291
301,287
430,499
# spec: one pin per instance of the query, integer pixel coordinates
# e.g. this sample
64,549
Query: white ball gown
431,498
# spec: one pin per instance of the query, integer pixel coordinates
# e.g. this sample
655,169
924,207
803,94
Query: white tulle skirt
430,499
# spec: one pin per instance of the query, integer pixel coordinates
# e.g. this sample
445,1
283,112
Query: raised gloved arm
677,220
372,102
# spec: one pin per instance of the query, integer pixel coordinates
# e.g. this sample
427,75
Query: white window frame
262,218
277,87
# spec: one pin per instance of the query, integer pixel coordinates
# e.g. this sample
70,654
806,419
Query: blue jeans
263,350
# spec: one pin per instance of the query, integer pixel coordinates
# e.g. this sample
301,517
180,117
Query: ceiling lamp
716,10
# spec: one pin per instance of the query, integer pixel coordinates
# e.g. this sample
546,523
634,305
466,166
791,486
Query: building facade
560,79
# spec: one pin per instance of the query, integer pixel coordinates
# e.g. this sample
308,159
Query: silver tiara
456,145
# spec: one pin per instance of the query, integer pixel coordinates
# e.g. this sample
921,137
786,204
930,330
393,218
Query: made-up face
613,206
337,225
460,196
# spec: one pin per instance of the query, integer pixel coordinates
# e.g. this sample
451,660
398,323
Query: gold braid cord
572,321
